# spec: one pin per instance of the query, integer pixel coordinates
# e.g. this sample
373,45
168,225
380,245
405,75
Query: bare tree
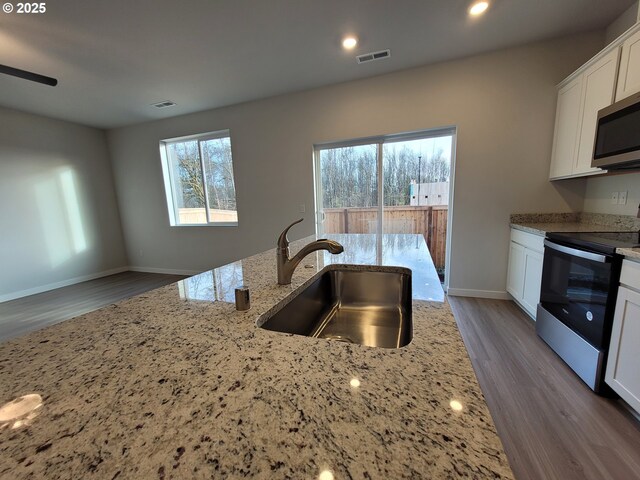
349,174
189,174
218,173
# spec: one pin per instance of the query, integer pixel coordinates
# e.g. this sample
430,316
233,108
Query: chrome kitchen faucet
286,265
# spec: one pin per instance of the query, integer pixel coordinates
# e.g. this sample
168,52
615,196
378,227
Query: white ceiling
114,58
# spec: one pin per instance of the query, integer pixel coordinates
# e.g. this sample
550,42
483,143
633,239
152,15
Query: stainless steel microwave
617,142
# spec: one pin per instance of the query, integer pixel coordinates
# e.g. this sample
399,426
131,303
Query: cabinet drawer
630,275
529,240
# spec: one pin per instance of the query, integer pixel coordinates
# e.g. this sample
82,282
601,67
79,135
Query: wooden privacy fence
199,216
430,221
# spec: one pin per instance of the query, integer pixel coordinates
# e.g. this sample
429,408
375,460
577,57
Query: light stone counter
630,253
543,228
175,383
542,223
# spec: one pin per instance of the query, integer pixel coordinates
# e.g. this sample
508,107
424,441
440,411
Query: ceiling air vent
370,57
165,104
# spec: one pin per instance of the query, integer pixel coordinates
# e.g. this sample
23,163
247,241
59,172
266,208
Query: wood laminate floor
26,314
551,425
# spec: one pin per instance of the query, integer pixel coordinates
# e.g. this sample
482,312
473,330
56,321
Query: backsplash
598,191
625,221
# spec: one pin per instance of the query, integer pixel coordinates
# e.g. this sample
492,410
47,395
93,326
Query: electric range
580,277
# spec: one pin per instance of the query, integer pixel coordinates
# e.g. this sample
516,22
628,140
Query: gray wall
503,104
58,209
599,189
622,23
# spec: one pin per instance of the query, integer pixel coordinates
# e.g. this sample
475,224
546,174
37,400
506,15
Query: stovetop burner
603,242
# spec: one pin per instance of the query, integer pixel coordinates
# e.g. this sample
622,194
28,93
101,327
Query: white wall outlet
614,198
302,208
622,198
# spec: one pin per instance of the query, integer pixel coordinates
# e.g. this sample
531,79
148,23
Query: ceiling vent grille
165,104
370,57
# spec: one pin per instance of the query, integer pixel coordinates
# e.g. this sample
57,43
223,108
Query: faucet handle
283,241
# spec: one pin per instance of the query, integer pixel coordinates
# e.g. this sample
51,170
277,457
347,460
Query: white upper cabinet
565,138
629,76
515,274
598,87
611,75
579,101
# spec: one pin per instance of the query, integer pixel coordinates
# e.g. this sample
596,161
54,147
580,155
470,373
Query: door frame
380,140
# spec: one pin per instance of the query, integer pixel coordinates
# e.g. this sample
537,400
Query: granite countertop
176,383
542,223
543,228
630,253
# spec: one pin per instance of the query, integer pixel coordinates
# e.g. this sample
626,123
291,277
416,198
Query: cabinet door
598,91
532,281
565,138
629,76
623,374
515,275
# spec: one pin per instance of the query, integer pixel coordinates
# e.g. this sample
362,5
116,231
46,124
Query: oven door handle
594,257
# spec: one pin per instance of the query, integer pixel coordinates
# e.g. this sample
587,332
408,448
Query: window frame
450,130
170,185
379,141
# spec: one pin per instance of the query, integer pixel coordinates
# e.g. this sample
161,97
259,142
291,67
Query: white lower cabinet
532,281
515,276
623,364
525,269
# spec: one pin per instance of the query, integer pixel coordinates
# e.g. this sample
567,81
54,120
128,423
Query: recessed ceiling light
349,42
478,8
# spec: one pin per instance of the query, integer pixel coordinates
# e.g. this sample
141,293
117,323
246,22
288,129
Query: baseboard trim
522,307
463,292
167,271
64,283
628,407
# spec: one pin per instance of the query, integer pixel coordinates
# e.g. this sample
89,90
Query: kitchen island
176,383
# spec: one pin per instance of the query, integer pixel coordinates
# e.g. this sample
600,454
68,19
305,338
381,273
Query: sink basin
345,303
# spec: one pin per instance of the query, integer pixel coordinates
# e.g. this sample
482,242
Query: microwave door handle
577,253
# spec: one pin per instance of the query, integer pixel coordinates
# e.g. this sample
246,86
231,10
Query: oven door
576,287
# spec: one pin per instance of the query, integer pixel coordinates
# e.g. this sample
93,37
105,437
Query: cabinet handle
594,257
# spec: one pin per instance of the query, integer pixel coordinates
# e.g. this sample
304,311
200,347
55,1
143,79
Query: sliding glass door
348,196
393,184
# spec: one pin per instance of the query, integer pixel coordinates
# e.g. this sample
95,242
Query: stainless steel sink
371,307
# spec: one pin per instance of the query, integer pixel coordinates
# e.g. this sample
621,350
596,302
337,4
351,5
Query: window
393,184
198,179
